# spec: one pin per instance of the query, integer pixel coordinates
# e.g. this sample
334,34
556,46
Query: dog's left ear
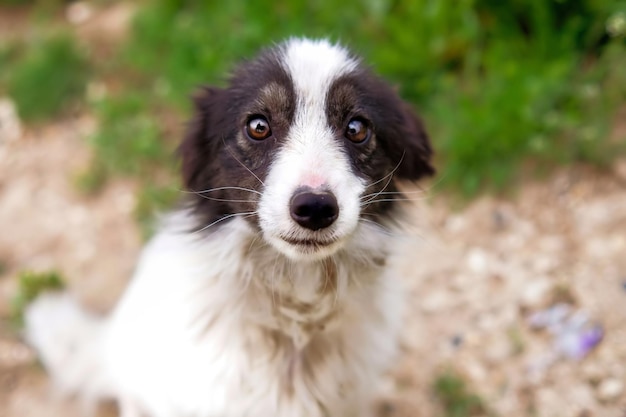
199,144
408,144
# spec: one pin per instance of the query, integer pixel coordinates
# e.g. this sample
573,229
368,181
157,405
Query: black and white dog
267,294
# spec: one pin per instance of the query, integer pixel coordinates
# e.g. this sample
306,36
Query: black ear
411,146
399,131
197,148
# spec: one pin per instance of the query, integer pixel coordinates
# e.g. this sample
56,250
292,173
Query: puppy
267,294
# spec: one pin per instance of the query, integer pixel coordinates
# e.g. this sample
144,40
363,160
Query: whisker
391,233
225,218
391,173
219,189
380,200
378,226
241,163
378,193
393,193
431,186
227,200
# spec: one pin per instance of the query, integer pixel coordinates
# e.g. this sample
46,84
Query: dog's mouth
309,243
306,248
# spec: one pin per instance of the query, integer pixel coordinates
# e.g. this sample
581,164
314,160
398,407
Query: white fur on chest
225,327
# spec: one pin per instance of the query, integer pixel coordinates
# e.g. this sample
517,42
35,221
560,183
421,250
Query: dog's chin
307,250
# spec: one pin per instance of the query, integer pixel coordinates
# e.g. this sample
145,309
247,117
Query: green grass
455,398
499,86
153,198
47,77
130,139
31,284
506,89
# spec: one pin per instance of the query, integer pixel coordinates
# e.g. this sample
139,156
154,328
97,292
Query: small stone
592,372
456,340
537,294
498,219
14,354
455,224
477,260
473,369
548,402
581,397
620,169
125,202
10,125
435,302
78,12
498,350
610,389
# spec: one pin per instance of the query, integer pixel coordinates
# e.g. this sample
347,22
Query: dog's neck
302,299
298,299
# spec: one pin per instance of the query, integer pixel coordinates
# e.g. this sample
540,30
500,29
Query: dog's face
304,143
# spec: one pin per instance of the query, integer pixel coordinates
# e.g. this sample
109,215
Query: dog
268,292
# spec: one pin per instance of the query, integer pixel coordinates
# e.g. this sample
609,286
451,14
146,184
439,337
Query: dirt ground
475,278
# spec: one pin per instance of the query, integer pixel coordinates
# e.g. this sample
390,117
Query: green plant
504,88
499,85
152,200
129,140
47,78
8,52
530,95
93,179
516,339
455,398
31,284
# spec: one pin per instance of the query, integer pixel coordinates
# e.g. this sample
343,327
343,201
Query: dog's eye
357,131
258,128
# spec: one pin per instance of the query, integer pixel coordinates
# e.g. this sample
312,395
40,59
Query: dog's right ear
197,147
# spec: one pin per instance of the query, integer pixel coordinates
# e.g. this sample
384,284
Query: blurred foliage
498,83
506,88
152,199
129,140
31,284
455,398
47,77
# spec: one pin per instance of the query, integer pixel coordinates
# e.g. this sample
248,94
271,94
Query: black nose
314,210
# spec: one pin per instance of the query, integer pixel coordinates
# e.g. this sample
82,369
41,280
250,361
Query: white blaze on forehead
312,153
314,65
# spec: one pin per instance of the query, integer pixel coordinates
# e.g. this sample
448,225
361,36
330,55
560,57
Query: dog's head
304,143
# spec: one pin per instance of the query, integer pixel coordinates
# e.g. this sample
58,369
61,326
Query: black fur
216,152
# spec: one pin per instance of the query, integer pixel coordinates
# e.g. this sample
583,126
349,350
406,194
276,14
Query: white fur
311,155
232,325
189,337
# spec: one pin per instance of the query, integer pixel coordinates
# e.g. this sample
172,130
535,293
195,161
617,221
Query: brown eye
258,128
357,131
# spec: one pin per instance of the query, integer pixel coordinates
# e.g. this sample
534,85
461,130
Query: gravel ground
474,276
478,276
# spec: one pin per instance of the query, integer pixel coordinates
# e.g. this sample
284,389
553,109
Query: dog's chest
301,301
